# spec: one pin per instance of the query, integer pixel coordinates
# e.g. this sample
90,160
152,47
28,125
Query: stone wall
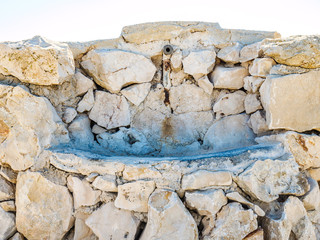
174,130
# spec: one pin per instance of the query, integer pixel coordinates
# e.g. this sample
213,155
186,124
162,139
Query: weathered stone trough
174,130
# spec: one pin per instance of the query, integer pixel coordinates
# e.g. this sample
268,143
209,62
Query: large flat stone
292,101
37,61
115,69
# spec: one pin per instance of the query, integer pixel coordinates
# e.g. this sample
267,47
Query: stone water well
174,130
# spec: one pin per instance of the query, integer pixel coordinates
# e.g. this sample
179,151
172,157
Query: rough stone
265,180
315,173
230,54
233,222
69,114
80,130
44,209
106,183
110,110
203,178
136,93
125,141
83,84
293,218
176,60
109,222
164,218
35,125
280,69
311,200
208,202
8,206
229,133
250,52
199,63
6,190
115,69
252,84
189,98
87,102
228,104
134,196
37,61
230,78
261,67
258,122
137,172
83,194
300,51
205,84
8,174
7,221
235,196
17,236
177,78
81,230
287,111
96,129
252,103
256,235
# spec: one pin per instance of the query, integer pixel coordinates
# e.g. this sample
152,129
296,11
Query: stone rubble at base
93,140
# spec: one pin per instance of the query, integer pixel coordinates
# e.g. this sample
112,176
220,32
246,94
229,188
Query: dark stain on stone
166,65
302,143
166,97
167,129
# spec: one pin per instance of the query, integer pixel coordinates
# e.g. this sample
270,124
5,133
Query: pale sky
84,20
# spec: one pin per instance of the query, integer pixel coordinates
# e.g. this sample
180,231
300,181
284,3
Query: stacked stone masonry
174,130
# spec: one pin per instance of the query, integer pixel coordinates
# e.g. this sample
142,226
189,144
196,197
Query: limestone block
315,173
207,202
293,218
230,54
96,129
125,141
203,178
17,236
106,183
252,84
252,103
168,218
280,69
199,63
176,60
311,200
136,93
258,122
230,78
83,194
265,180
261,67
110,110
83,84
287,111
137,172
233,222
228,104
205,84
250,52
134,196
80,130
256,235
7,190
235,196
44,209
8,174
109,222
37,61
8,206
229,133
34,125
300,51
81,230
114,69
189,98
87,102
69,114
7,221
